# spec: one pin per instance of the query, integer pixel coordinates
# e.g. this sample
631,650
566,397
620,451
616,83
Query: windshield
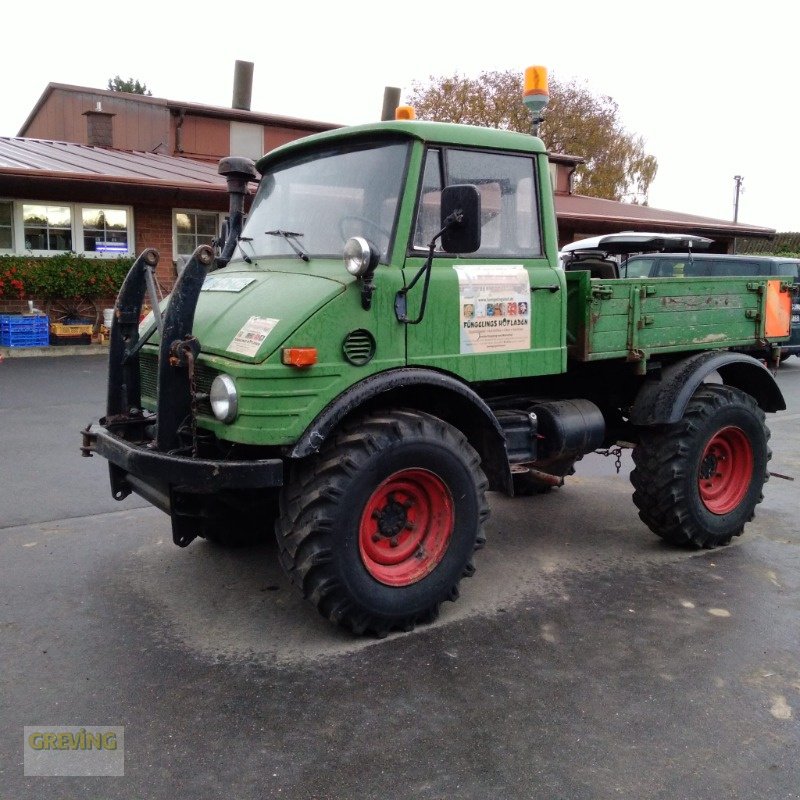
318,200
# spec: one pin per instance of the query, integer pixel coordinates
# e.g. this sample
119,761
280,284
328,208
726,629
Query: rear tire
698,481
380,526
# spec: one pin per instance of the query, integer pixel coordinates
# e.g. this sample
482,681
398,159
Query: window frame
76,228
81,207
6,251
444,151
220,215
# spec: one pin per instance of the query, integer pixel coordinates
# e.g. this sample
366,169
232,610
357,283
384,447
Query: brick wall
154,229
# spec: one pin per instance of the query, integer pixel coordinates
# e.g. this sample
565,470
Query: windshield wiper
247,239
290,237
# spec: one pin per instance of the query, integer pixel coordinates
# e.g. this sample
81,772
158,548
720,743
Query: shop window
105,230
47,228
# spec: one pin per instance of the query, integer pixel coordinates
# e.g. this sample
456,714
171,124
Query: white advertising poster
252,335
494,308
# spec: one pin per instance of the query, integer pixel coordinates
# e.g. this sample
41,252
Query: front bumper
195,492
195,475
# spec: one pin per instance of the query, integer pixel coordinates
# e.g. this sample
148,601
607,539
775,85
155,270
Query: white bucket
108,317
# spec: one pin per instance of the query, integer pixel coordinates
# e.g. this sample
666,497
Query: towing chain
613,451
182,353
193,401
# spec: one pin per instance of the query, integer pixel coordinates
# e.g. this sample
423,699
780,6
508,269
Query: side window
697,269
786,269
509,211
638,268
430,201
737,268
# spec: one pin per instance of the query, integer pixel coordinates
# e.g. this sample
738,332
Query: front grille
203,378
148,375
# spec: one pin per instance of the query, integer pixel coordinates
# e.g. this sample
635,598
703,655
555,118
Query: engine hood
246,314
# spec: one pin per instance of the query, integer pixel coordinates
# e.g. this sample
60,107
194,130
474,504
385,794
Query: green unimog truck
362,410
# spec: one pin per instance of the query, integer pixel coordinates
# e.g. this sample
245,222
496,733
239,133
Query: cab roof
443,133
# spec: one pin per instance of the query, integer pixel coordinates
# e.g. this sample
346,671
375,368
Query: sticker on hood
252,335
226,283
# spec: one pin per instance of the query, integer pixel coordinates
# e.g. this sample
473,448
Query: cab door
498,312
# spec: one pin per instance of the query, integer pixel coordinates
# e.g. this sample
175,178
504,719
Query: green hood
281,302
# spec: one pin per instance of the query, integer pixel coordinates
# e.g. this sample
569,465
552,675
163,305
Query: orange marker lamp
536,95
299,356
405,112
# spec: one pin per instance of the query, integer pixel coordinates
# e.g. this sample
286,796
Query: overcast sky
711,86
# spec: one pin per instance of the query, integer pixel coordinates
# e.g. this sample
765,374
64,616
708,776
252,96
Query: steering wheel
343,223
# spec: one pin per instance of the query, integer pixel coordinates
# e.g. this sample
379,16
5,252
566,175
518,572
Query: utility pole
737,179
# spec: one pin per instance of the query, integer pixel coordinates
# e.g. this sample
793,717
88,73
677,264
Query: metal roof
45,159
582,208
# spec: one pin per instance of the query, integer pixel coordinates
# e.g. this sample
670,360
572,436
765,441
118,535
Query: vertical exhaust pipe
391,99
242,85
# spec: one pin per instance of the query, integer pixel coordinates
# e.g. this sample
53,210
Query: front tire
698,481
380,526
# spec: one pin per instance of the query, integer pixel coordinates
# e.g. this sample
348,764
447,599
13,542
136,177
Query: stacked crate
70,333
24,331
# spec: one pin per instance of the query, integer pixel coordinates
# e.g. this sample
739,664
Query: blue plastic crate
27,331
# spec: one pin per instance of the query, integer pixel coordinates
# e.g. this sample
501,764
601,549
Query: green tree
576,122
117,84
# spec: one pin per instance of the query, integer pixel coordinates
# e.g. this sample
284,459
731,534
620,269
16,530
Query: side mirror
461,218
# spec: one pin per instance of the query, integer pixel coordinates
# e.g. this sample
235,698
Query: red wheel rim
406,527
726,470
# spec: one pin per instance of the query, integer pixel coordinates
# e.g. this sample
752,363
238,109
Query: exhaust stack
391,99
242,85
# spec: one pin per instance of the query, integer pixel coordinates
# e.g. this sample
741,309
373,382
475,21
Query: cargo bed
634,318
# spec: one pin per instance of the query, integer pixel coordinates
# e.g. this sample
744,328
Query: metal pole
736,192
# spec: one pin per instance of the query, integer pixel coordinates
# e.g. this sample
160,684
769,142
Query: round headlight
357,256
223,397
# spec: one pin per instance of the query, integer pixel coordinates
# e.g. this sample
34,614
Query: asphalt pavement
584,659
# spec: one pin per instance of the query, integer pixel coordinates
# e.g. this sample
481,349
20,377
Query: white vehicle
602,254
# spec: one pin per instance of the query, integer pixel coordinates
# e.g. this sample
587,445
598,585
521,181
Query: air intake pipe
238,172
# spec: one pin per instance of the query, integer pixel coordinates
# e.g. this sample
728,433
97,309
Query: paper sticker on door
252,335
494,309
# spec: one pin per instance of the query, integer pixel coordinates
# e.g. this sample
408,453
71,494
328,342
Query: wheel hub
708,467
405,527
393,518
726,470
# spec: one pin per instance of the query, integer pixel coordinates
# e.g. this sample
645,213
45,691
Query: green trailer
362,410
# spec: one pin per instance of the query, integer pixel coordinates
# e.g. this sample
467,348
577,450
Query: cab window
509,209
